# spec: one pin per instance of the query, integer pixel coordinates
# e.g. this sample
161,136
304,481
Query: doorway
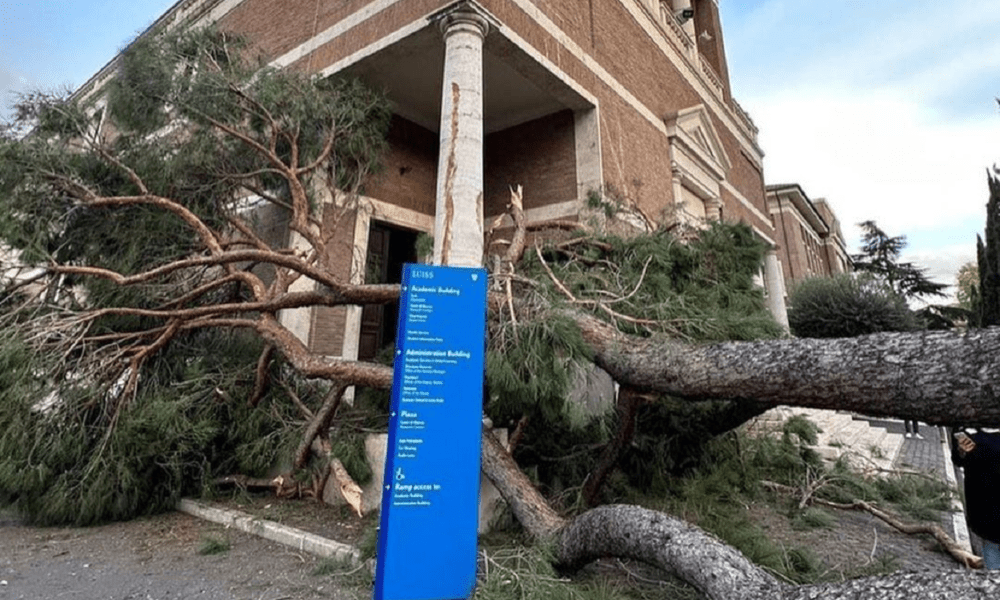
388,249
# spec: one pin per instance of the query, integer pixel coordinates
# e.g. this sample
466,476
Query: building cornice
700,75
802,204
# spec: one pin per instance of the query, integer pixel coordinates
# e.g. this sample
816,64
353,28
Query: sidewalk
879,444
931,455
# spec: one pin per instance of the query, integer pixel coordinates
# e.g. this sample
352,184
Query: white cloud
885,109
878,156
942,263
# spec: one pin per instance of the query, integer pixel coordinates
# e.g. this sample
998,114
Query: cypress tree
988,257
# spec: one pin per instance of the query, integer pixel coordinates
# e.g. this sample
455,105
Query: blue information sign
430,494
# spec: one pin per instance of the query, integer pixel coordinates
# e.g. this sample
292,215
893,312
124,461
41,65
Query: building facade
562,97
810,242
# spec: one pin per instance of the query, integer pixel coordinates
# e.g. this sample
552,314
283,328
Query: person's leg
908,425
991,555
916,430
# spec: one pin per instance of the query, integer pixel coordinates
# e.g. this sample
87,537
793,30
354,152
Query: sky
887,109
48,44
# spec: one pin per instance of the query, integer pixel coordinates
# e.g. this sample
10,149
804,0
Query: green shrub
846,306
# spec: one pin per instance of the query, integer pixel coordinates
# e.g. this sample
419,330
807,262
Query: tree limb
261,375
962,556
628,404
319,423
939,377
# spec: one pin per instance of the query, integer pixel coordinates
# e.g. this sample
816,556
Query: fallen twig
957,552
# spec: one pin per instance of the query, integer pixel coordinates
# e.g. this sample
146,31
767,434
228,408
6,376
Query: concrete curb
958,510
276,532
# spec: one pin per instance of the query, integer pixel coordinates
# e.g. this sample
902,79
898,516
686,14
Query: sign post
430,494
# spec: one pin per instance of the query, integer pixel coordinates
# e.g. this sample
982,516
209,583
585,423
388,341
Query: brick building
560,96
810,242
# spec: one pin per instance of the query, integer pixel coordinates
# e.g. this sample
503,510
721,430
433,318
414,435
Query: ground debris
958,584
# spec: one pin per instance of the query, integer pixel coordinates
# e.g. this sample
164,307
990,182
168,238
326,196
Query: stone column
677,186
713,209
458,219
774,284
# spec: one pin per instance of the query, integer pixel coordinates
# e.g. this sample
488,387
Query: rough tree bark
940,377
716,569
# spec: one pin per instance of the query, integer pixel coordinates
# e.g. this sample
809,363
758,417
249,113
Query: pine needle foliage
213,545
513,572
66,462
655,284
717,495
702,290
880,256
528,369
193,118
167,108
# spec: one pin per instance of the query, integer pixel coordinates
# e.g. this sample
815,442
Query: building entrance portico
522,97
474,113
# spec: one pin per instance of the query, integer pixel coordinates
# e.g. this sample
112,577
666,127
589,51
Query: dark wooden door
376,271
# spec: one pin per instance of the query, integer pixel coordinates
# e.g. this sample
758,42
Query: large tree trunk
717,570
940,377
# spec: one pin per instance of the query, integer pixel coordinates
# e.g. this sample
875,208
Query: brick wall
634,152
277,26
634,158
409,174
387,21
539,155
706,19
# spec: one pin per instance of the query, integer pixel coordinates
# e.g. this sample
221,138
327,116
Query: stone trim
372,209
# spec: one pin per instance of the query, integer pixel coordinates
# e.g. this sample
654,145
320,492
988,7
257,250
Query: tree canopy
157,218
847,305
157,215
880,255
986,308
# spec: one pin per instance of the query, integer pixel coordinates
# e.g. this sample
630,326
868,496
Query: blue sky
887,109
884,108
51,43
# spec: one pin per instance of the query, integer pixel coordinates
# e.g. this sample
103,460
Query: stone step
846,434
890,448
866,447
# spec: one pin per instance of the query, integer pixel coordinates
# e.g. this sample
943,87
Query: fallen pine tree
120,393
